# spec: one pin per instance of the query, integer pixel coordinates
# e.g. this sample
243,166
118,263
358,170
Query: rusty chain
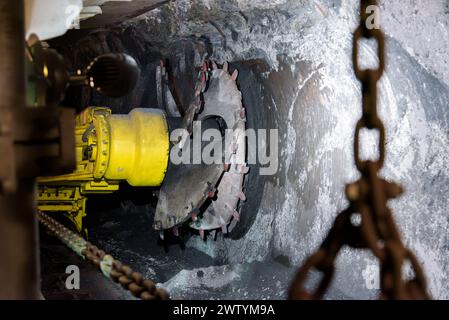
375,228
110,267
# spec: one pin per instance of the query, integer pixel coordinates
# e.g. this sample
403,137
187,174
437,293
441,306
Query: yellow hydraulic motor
109,149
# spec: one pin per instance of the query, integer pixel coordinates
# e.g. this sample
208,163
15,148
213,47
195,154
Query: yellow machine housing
109,149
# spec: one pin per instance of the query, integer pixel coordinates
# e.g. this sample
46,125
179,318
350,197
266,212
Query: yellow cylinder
139,147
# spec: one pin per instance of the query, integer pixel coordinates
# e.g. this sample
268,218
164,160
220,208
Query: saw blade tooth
242,113
211,193
161,234
242,196
194,216
214,65
236,215
224,229
201,231
234,75
243,169
225,66
157,225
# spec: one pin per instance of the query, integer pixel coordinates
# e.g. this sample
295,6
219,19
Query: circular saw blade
187,186
224,99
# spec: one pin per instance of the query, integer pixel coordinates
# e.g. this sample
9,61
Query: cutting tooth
225,66
236,215
235,74
194,216
157,225
161,234
211,193
175,231
214,65
242,196
201,234
243,169
224,229
242,113
214,234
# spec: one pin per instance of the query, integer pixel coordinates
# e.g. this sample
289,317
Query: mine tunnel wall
296,76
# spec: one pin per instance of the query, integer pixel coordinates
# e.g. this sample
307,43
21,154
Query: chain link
368,198
111,268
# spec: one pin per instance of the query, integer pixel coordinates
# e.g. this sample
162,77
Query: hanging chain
375,228
111,268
